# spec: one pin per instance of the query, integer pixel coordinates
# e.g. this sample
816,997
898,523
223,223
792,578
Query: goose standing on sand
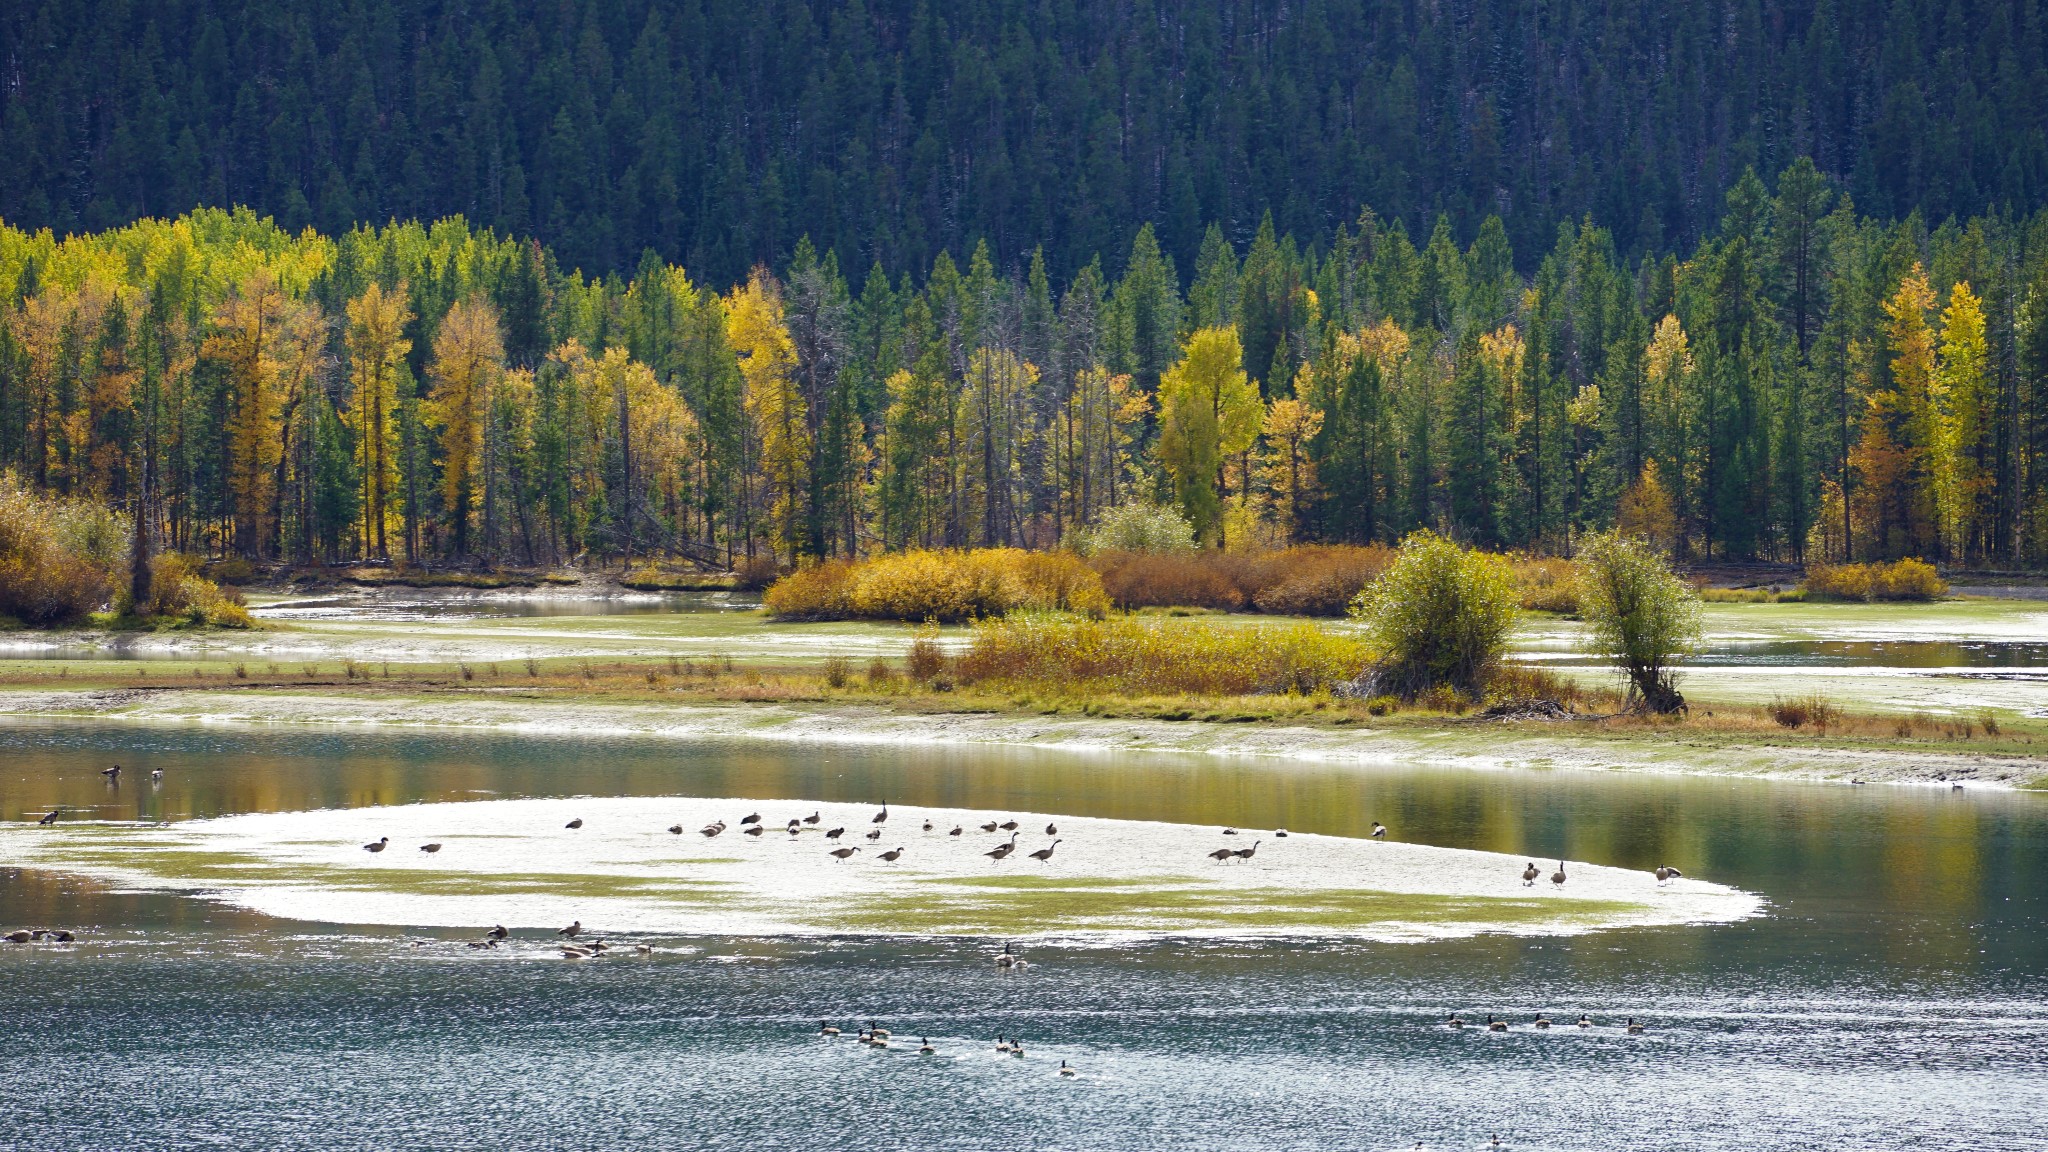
752,830
841,854
989,827
50,817
891,856
1222,854
1557,877
1002,850
1008,825
1247,853
751,818
813,818
1530,875
710,830
574,824
1052,830
377,845
927,825
795,828
957,830
675,829
1666,873
1379,830
876,834
835,833
1044,854
881,817
430,849
572,931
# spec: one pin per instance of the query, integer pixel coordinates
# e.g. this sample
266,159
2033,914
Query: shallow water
1896,995
443,605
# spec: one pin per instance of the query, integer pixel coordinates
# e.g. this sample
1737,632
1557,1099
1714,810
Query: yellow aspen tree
469,361
1288,472
249,331
43,329
1669,402
1961,394
377,348
1208,409
1899,425
775,404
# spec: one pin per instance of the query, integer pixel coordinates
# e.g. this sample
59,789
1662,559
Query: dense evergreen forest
718,134
1805,383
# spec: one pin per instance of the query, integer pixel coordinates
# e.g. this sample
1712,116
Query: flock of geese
876,1036
1542,1023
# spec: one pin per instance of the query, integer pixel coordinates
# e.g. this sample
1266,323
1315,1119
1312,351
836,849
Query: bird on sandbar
842,853
576,823
1052,830
1008,825
1002,850
990,826
377,845
813,818
1280,833
430,849
1557,877
50,817
751,818
497,932
835,833
927,825
1379,830
752,830
710,830
1222,854
675,829
1530,875
1045,853
156,774
1246,853
957,830
876,834
881,817
1665,873
892,855
572,931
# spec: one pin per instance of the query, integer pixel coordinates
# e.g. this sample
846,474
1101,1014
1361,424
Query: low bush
947,587
59,559
1439,616
178,592
1898,580
1547,583
1159,657
1811,709
1137,527
1309,580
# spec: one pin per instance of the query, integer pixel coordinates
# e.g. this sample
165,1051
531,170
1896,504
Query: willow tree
1641,615
774,402
377,348
1209,409
469,361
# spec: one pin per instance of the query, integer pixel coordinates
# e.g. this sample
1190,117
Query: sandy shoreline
1467,744
641,866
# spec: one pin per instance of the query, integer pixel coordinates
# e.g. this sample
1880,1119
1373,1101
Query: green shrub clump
178,592
943,586
60,560
1642,615
1439,617
1159,657
1898,580
1137,527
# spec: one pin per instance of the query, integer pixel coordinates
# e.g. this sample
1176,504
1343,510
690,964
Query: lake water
1895,996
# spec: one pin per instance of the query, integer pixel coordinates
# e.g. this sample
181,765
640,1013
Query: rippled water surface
1895,997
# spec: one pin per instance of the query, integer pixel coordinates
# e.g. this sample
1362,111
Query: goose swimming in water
156,774
1531,874
574,824
1005,958
924,1046
1542,1021
113,774
1017,1048
497,932
377,845
1456,1021
1493,1025
1067,1070
1585,1021
1002,1045
827,1028
572,931
1633,1027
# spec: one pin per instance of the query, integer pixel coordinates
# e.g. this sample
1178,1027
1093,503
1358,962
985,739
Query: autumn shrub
1547,583
1800,711
1159,657
1137,527
945,586
1311,580
1898,580
178,591
1439,617
59,559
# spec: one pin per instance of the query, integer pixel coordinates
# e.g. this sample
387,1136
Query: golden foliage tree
377,348
759,337
1960,399
469,361
268,344
1208,409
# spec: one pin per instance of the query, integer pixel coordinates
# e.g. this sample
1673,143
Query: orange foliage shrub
948,586
1899,580
1310,580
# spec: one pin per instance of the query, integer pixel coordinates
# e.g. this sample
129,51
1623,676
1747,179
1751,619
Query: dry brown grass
1308,580
1159,657
943,586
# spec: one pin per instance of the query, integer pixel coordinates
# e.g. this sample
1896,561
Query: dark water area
1895,995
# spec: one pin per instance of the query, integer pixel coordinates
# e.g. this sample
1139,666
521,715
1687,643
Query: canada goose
843,853
1456,1021
1246,853
61,936
1493,1025
710,830
927,825
826,1028
644,949
1002,1045
1542,1021
1045,853
1230,831
1052,830
1585,1021
835,833
1222,854
430,849
752,830
50,817
1067,1070
1557,877
813,818
481,944
875,834
924,1046
114,773
497,932
1530,874
1008,825
989,827
675,829
892,855
574,824
598,946
1379,830
1005,959
751,818
881,817
1017,1048
878,1039
156,774
1667,873
1002,850
875,1029
957,830
795,829
1633,1027
576,952
1956,787
377,845
1280,833
19,936
572,931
